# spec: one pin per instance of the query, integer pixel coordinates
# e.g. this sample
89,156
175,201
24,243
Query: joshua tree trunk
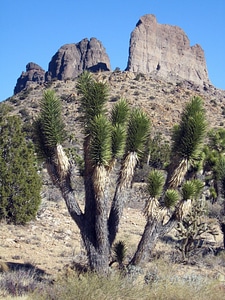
153,230
147,242
124,182
98,256
115,214
97,250
222,226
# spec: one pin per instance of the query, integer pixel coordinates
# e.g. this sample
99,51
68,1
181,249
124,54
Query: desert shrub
24,113
215,210
139,76
193,227
18,283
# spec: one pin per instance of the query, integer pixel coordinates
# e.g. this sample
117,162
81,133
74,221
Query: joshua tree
121,136
109,139
165,207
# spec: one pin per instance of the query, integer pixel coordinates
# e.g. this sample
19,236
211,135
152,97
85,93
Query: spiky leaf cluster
94,96
119,251
171,198
220,168
120,112
119,117
53,126
189,134
191,189
49,127
155,184
137,132
100,143
188,190
217,139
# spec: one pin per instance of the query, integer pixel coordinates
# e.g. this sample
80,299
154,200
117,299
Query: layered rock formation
72,59
34,73
165,50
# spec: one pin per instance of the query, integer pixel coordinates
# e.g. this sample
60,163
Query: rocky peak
34,73
165,50
72,59
68,62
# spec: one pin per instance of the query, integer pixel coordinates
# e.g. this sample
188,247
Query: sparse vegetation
204,273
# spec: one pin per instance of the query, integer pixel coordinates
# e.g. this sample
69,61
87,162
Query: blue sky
32,31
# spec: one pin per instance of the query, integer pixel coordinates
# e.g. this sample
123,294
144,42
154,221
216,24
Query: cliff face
165,49
72,59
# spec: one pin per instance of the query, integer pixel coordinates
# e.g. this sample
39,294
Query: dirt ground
52,242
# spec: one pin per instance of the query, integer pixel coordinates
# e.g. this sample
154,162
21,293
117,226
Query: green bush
20,184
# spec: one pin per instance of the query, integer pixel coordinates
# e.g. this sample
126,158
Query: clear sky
32,31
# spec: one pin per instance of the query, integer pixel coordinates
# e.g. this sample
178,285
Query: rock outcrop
72,59
34,73
68,62
165,50
156,49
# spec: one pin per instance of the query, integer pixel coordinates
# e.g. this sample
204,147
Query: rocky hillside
162,100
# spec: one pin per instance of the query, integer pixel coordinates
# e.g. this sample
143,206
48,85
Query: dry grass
164,284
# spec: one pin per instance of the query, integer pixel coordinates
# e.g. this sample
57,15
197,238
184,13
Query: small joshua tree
119,254
165,205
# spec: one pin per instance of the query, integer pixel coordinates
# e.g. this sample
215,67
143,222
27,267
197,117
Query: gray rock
165,50
34,73
72,59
